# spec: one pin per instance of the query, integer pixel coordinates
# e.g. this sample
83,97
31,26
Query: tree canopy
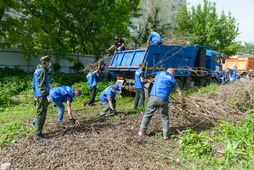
208,28
63,26
248,47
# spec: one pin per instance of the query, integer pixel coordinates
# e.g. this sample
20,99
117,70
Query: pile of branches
93,65
229,103
180,40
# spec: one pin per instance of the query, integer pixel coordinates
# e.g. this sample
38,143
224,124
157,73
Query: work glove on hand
119,48
49,99
107,51
72,120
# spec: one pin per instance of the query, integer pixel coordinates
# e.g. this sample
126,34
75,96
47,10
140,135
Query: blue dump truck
194,65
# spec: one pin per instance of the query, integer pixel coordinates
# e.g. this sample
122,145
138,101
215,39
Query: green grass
10,131
223,147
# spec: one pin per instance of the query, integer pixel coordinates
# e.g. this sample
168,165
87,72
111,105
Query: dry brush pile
228,102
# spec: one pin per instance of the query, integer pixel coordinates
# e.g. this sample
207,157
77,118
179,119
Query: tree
158,15
248,48
207,28
154,22
62,26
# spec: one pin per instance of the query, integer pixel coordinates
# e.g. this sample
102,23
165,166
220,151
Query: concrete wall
13,57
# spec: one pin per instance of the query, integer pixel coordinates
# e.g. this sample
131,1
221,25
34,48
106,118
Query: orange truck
243,64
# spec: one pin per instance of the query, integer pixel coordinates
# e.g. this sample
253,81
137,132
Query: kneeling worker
61,94
107,97
162,87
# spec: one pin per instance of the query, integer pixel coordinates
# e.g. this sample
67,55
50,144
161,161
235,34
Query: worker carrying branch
163,85
91,79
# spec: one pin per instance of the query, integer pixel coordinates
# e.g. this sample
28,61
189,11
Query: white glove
49,99
119,48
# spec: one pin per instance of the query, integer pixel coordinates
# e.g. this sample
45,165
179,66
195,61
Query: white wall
13,57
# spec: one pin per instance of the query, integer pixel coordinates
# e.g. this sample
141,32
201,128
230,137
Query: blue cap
228,68
116,87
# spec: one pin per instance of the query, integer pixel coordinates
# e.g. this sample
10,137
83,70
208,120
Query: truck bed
158,58
243,64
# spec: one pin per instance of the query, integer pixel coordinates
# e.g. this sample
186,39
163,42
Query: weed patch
13,130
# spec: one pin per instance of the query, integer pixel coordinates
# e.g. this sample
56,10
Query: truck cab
214,63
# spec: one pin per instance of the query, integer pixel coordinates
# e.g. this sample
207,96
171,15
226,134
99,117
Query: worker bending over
61,94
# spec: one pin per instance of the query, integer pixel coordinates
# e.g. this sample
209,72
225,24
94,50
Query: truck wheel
180,84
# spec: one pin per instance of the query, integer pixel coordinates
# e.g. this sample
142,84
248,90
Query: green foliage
77,66
69,79
15,81
83,86
195,144
63,26
56,67
248,47
236,143
207,28
158,133
13,130
11,71
13,85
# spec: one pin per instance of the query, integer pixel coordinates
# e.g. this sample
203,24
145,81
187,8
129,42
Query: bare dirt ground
113,143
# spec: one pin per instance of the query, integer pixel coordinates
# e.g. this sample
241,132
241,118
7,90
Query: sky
241,10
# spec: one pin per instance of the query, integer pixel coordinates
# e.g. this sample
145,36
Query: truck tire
180,83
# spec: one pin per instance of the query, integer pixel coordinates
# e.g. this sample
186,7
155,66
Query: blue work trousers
60,106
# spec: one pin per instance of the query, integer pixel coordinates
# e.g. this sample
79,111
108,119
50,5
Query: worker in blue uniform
61,94
64,94
154,38
226,75
139,84
163,85
91,79
233,76
107,97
